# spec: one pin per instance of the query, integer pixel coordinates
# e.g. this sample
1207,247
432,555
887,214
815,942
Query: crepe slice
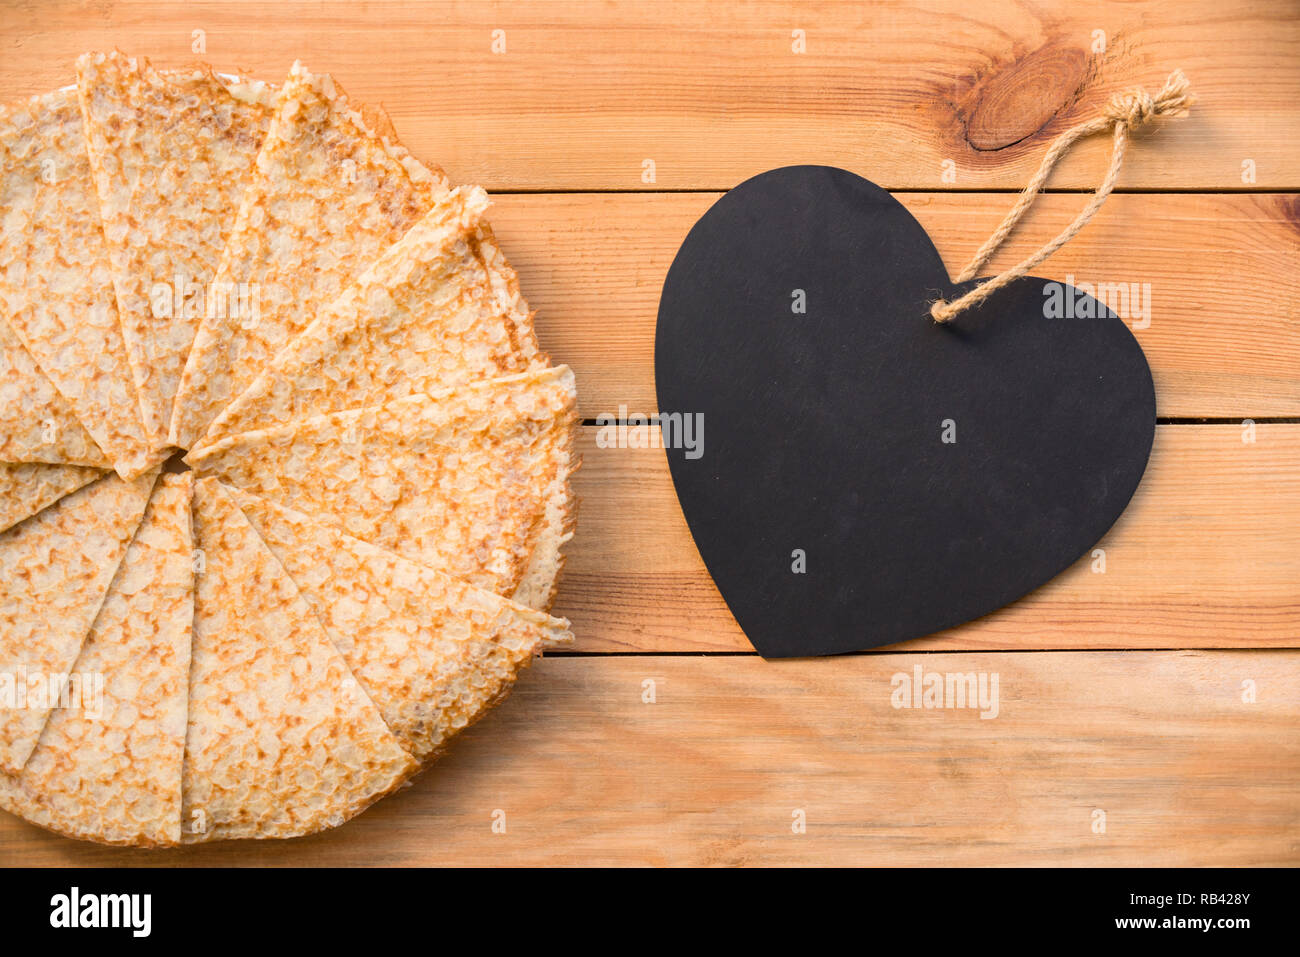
282,740
426,316
171,153
434,653
36,423
472,482
56,286
331,190
27,488
107,767
54,572
505,286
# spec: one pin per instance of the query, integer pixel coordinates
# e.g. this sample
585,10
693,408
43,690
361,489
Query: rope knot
1132,109
1138,107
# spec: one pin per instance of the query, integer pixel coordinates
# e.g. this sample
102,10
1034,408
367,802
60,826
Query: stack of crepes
360,557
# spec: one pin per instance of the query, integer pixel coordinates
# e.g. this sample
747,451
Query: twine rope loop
1124,113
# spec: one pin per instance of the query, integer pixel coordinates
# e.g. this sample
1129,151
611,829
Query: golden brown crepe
27,488
171,154
267,658
431,313
54,572
473,481
107,767
282,741
433,653
56,287
36,423
330,192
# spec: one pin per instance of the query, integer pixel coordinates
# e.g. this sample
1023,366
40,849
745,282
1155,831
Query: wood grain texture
1221,275
713,93
1205,556
1185,770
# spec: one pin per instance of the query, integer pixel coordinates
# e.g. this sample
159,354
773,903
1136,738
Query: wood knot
1021,97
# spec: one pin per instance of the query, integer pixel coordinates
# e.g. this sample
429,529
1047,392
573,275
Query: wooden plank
1221,276
1184,770
585,92
1204,556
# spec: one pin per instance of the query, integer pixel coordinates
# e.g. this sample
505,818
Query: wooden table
1147,715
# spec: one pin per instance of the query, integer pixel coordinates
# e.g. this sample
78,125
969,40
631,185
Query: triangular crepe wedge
330,192
473,482
36,423
56,287
27,488
54,572
107,766
505,285
427,315
433,652
282,741
171,153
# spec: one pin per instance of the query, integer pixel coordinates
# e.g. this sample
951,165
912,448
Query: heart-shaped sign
868,475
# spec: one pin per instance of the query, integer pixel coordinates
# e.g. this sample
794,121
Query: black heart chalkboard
866,474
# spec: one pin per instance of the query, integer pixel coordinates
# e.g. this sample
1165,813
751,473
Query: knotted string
1125,112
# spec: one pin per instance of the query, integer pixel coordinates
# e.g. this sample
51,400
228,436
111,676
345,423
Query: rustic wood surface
586,771
1160,698
1223,274
586,90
